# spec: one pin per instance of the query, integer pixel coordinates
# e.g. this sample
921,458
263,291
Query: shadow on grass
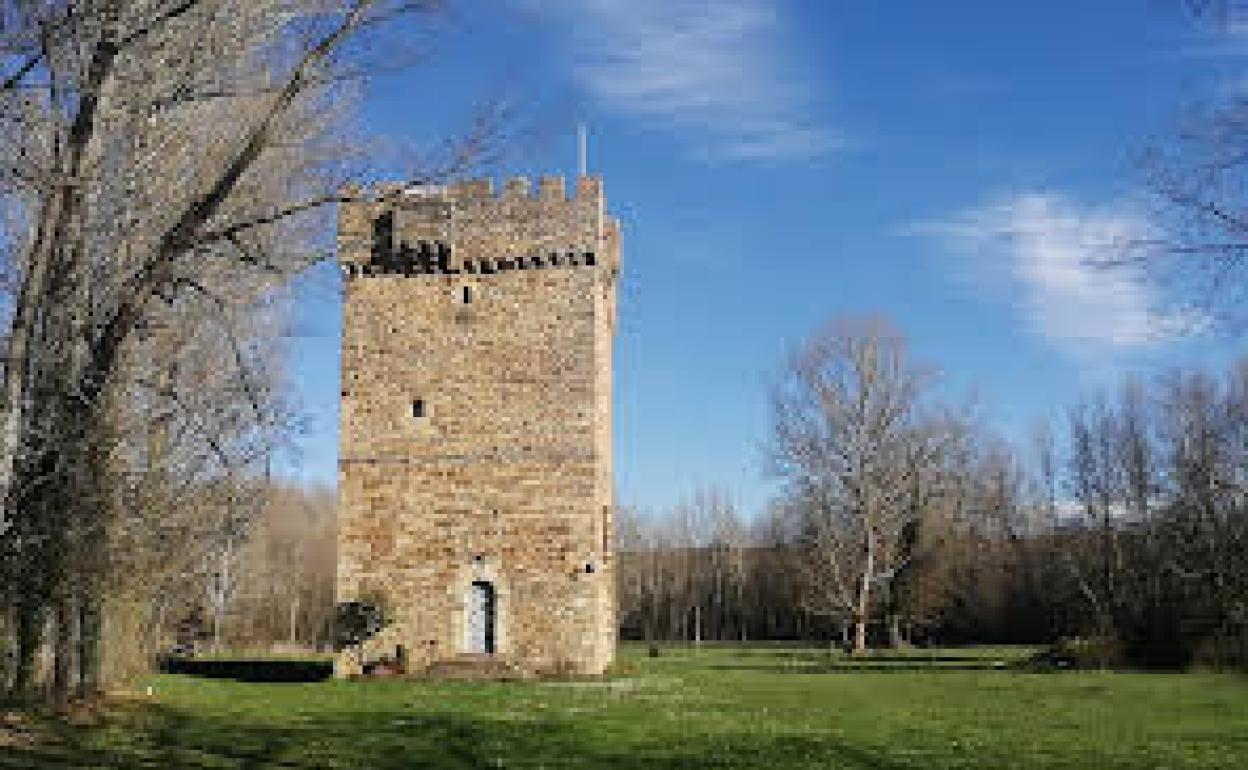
909,667
797,663
251,670
161,737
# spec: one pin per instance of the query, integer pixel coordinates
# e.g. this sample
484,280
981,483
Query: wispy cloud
715,70
1049,257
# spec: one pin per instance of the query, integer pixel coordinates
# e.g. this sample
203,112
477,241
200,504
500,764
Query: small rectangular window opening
418,408
467,295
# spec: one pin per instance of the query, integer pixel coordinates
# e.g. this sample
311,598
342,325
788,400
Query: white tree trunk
294,619
863,605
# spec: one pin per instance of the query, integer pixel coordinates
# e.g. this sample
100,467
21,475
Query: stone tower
475,501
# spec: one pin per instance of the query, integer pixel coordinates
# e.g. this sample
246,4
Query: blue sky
775,163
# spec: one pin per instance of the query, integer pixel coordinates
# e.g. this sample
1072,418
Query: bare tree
1194,179
161,161
856,444
1157,554
648,590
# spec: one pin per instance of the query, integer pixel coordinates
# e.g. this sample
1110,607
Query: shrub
355,622
1083,653
1227,650
251,670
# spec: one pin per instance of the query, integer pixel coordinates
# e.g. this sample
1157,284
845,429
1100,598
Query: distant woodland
1121,532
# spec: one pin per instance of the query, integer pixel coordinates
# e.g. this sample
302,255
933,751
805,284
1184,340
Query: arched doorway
479,618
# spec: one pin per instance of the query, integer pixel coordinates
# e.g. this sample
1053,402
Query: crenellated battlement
434,258
587,189
472,226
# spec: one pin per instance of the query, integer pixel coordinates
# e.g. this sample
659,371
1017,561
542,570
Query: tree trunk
860,630
88,646
29,635
21,330
896,638
295,615
62,653
55,212
863,605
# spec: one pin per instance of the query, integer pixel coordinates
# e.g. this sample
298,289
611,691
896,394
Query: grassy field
772,707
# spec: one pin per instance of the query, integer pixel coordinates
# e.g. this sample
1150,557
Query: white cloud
1051,255
714,69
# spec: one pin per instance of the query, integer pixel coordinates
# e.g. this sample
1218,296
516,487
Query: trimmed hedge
251,670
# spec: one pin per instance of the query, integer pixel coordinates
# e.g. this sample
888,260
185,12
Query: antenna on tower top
582,136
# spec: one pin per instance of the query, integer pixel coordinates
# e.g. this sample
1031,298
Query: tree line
904,520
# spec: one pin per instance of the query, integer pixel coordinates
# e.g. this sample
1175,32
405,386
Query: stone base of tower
436,634
373,663
522,605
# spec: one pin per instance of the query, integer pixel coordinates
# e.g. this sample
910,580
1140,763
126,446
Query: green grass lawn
768,706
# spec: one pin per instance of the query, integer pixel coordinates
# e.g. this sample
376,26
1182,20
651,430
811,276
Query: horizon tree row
902,519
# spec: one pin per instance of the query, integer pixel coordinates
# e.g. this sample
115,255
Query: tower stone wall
476,420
